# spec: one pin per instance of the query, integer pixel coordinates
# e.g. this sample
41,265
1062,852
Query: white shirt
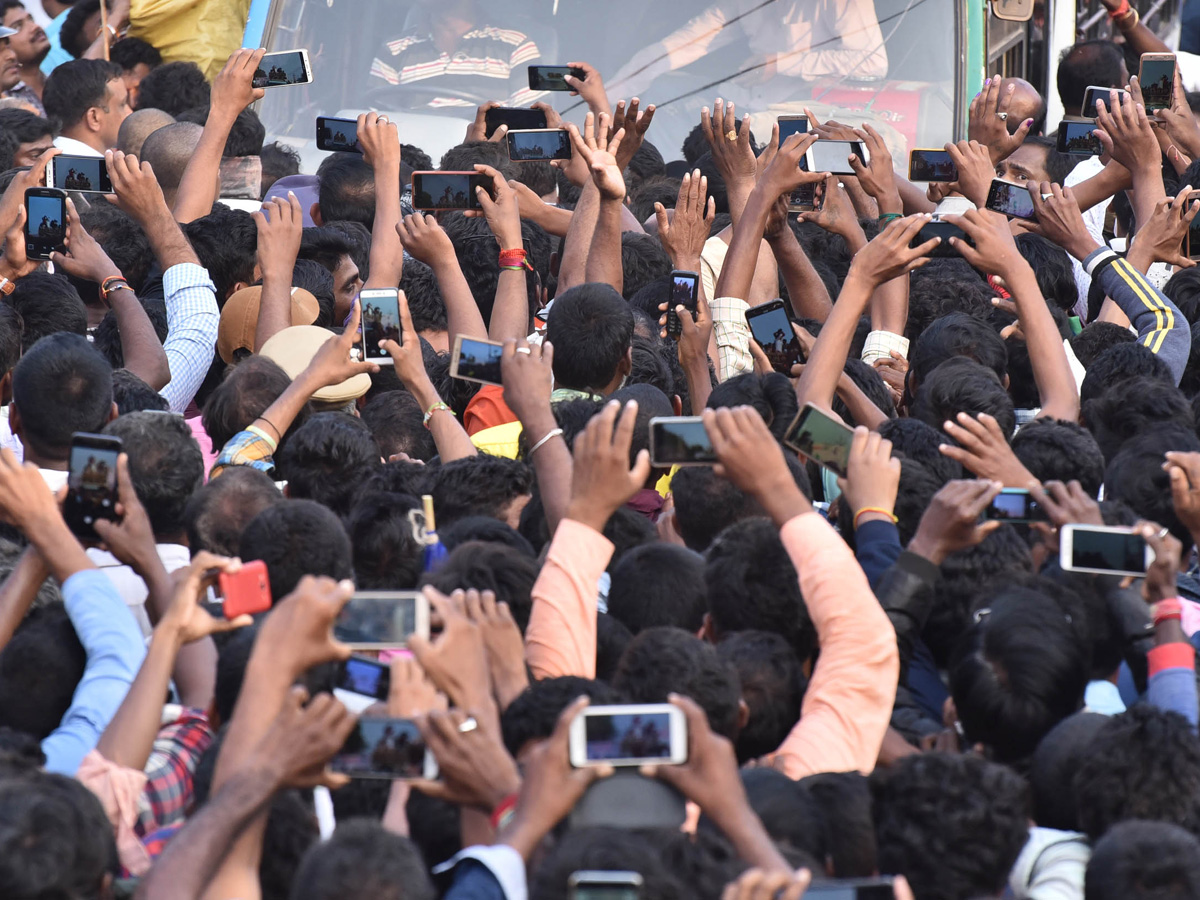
1094,220
129,585
55,479
7,438
73,147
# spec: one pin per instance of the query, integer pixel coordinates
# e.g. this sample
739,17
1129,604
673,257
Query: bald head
168,151
1026,103
140,125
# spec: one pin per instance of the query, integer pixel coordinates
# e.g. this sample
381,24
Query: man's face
30,41
27,154
346,283
114,111
10,69
1028,163
133,81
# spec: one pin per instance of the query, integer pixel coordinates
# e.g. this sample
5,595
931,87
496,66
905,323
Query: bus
909,67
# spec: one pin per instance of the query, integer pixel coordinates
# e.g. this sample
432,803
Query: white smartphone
476,360
631,734
380,620
281,69
833,156
1103,550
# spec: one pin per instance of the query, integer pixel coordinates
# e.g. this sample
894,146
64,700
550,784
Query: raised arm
426,242
599,151
280,225
510,312
380,142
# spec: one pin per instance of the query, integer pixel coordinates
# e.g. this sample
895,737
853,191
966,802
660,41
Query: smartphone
1156,76
821,438
789,125
1191,240
337,134
1096,92
381,620
45,222
680,441
804,199
770,326
91,482
539,143
852,889
1010,199
931,165
85,174
1077,139
380,747
832,156
553,78
629,735
247,591
1107,551
1014,505
944,230
380,320
476,360
517,118
365,677
282,69
449,190
685,292
591,884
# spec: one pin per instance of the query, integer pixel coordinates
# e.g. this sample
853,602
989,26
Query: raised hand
759,884
299,628
783,174
734,159
16,263
130,538
280,225
84,258
527,374
1063,504
455,660
380,141
889,255
752,459
684,234
1184,471
836,215
983,450
502,212
424,239
137,190
602,480
992,249
987,120
1123,121
411,693
975,170
1059,219
599,151
233,89
1160,582
185,617
302,740
951,521
477,130
590,88
1161,237
634,124
877,178
474,769
333,363
504,644
873,476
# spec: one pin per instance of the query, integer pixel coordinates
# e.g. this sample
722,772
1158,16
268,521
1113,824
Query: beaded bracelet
434,408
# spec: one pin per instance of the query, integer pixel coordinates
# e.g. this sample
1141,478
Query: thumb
641,469
660,215
1022,131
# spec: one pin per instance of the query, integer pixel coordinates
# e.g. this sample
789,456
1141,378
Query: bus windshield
430,64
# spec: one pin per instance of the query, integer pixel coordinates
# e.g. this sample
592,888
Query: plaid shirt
252,447
177,750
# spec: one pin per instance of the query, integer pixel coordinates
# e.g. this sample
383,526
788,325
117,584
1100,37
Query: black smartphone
1156,77
821,438
539,143
833,156
385,748
680,441
1191,240
789,125
770,326
852,889
449,190
587,884
1096,92
517,118
91,482
931,165
85,174
380,320
1014,505
1077,139
282,69
45,222
1010,199
367,677
553,78
685,292
944,230
339,135
476,360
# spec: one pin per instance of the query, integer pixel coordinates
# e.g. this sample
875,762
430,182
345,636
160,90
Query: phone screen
550,143
604,890
1111,551
1098,93
771,328
337,134
381,619
45,223
448,190
86,174
789,125
380,320
1191,248
1010,199
944,230
382,748
366,677
685,292
517,118
476,360
931,165
1013,505
821,438
1157,79
91,482
832,156
282,69
680,440
552,78
1077,139
835,891
626,739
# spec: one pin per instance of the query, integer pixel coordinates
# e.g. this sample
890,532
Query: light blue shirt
57,55
115,650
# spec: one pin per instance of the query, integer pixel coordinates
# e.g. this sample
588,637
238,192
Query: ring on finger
1161,534
525,350
731,135
1002,116
469,724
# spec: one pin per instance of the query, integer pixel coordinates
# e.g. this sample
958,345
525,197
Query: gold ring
731,135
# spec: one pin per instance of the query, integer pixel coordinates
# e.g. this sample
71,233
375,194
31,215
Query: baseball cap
239,319
294,348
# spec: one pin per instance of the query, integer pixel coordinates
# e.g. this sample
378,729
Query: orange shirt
487,409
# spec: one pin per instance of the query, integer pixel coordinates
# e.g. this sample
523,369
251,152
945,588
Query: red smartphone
247,591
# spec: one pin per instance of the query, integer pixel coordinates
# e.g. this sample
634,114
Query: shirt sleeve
192,320
561,636
486,873
853,687
733,337
252,447
115,650
879,345
878,548
1172,684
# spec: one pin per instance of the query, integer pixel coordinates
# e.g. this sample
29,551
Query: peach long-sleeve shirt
849,699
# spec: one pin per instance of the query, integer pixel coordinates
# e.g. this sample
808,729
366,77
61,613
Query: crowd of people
878,682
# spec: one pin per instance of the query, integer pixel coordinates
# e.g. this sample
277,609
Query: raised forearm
889,306
198,186
737,273
275,307
807,292
449,436
604,255
462,312
862,408
1051,370
573,268
387,253
19,590
129,737
818,382
167,240
140,346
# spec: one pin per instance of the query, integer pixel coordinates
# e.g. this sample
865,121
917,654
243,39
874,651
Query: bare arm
280,224
604,255
19,590
381,149
807,292
424,239
510,312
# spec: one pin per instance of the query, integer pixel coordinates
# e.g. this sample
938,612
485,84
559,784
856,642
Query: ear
625,366
314,213
554,261
113,412
91,118
1004,381
677,404
743,714
14,420
6,388
708,631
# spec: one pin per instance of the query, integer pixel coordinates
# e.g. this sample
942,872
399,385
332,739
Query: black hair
507,572
61,386
1135,475
463,157
918,442
607,849
771,395
479,485
656,189
387,555
752,584
487,529
174,87
612,639
661,661
1118,363
131,394
1059,450
591,328
1087,63
48,304
10,338
313,277
791,816
327,245
1052,266
1058,165
130,52
425,303
70,35
1053,766
165,463
658,584
364,859
347,190
537,175
957,334
40,667
296,538
226,242
1142,764
327,458
868,380
844,800
1132,407
963,385
415,157
643,260
123,240
358,237
1183,289
646,163
1098,337
107,337
1140,860
478,256
245,137
649,366
918,484
952,824
244,394
939,290
219,510
534,713
278,160
25,126
396,421
772,684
